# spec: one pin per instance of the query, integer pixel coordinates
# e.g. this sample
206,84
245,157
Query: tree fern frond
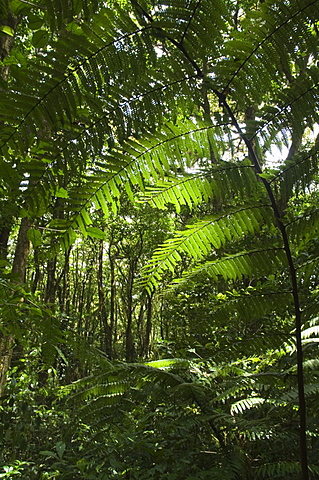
60,11
59,78
293,108
298,173
304,228
76,147
251,264
246,404
272,39
256,345
312,329
141,163
191,190
277,470
114,387
246,305
199,239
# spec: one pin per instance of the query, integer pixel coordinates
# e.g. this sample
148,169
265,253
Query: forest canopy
159,239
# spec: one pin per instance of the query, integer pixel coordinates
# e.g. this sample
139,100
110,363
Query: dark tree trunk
129,343
6,41
21,251
102,305
50,286
148,331
18,270
4,237
112,300
22,247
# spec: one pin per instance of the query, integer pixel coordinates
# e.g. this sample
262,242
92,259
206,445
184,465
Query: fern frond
219,183
298,173
256,345
60,11
267,45
291,114
278,470
147,160
246,404
304,228
246,305
251,264
204,236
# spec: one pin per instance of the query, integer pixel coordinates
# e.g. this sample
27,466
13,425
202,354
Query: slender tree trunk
4,237
129,343
65,301
6,41
148,330
6,45
22,247
21,251
102,306
6,349
50,286
37,275
18,271
112,301
140,326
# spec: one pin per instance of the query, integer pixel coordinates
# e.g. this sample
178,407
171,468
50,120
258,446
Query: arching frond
206,235
298,173
278,470
219,183
251,264
268,43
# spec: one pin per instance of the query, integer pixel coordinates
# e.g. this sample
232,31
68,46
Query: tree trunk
112,300
50,286
18,270
129,343
148,330
22,247
22,251
102,307
4,237
6,41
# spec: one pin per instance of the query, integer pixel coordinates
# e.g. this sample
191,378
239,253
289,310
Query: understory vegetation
159,239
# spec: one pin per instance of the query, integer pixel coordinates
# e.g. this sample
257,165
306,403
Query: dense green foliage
159,239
